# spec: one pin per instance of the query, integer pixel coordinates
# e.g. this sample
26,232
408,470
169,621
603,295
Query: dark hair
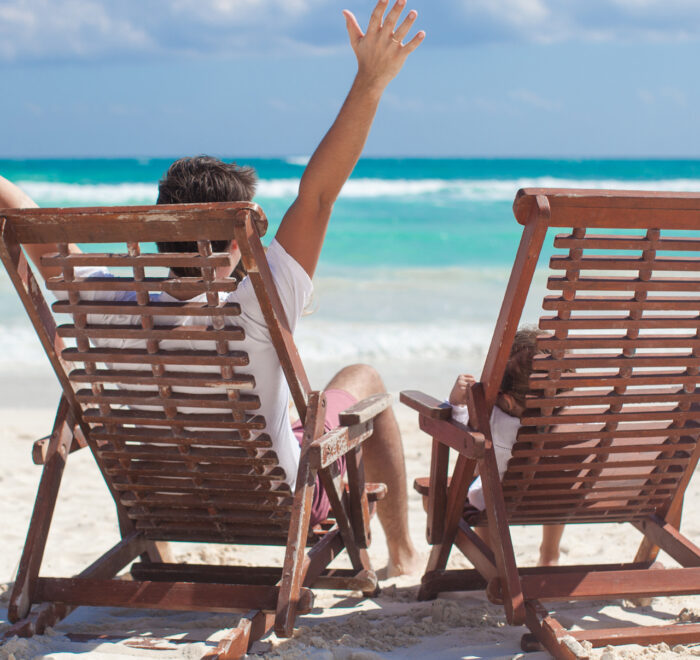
203,179
516,378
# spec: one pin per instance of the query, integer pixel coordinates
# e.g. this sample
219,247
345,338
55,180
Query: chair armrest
336,443
426,405
366,409
41,447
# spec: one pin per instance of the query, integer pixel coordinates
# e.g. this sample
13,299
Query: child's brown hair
516,378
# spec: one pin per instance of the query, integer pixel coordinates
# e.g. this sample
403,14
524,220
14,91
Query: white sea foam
47,193
486,190
302,161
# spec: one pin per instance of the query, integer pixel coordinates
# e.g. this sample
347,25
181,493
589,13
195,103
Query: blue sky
266,77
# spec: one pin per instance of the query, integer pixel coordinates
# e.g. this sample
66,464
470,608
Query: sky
494,78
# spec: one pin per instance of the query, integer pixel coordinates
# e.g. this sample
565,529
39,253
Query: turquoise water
416,258
393,212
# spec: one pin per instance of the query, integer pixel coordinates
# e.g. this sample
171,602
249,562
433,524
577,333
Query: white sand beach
342,626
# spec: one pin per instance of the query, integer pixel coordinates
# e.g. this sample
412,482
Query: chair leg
235,644
292,570
456,497
35,544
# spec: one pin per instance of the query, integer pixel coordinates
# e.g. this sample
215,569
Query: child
505,423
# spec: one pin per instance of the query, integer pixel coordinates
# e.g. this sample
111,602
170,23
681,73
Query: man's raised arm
380,56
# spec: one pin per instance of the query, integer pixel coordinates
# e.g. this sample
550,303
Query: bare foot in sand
411,564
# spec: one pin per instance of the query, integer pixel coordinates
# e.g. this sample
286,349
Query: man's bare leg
384,463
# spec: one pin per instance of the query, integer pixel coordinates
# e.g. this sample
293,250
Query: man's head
203,179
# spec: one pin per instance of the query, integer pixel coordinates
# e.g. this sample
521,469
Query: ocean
414,265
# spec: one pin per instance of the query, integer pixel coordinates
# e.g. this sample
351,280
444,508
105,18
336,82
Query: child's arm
458,395
380,56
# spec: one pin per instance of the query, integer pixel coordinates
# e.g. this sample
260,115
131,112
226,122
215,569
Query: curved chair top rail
165,222
622,209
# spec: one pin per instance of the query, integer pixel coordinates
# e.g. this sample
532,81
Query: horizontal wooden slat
624,284
252,519
184,596
158,332
596,430
601,415
680,633
174,378
624,262
571,380
117,260
624,491
652,303
551,498
626,242
572,478
521,518
141,356
229,473
140,398
586,398
204,536
229,438
608,341
240,502
184,285
165,454
204,488
223,530
155,418
152,309
522,450
618,321
516,467
116,224
612,584
602,360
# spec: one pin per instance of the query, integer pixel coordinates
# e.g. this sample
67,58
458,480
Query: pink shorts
336,402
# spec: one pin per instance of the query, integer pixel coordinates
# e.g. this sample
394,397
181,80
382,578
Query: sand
342,626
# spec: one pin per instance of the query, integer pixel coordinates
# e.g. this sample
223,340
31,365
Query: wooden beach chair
611,428
207,476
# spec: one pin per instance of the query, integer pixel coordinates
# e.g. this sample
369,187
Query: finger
414,43
405,26
393,15
354,31
375,20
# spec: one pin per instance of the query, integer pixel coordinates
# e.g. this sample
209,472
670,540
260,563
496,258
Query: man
293,256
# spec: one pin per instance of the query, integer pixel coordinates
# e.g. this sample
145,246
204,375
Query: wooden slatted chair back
170,411
612,421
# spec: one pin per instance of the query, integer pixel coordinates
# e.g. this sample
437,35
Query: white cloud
88,29
32,29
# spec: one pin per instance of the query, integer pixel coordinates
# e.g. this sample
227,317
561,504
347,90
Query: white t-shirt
294,287
504,432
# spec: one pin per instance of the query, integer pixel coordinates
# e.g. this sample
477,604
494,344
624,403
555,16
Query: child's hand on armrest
458,395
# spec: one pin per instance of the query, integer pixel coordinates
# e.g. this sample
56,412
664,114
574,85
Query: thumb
354,31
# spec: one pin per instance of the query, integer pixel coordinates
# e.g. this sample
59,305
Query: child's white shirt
504,431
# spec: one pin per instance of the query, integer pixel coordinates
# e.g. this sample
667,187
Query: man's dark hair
203,179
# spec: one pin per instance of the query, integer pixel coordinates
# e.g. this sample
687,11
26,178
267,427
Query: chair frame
269,597
522,590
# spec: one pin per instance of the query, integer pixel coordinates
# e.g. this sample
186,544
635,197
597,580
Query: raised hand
380,51
458,395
